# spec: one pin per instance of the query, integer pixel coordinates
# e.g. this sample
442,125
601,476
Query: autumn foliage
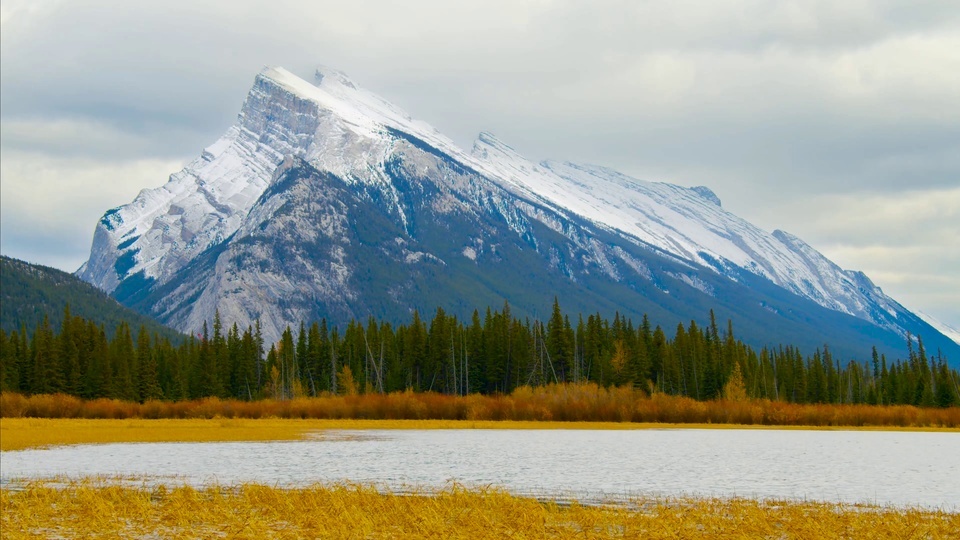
557,402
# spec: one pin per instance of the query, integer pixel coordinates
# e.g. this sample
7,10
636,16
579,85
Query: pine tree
301,366
475,355
221,356
9,372
147,362
123,364
69,355
946,387
559,345
47,375
313,360
206,373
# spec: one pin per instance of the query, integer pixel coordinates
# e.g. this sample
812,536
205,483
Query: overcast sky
838,121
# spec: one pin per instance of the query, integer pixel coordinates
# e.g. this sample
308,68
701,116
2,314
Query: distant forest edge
493,354
29,292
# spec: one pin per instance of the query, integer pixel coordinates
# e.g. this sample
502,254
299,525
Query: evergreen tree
147,362
559,344
47,375
69,355
206,373
123,365
9,372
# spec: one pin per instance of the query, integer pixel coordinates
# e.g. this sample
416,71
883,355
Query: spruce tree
147,363
9,374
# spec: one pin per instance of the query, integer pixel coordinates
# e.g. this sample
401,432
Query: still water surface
893,468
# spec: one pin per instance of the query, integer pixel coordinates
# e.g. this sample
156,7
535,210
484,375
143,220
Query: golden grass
22,433
99,510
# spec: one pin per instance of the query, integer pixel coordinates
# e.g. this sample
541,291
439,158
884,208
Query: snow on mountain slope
943,328
164,228
338,127
362,112
690,224
334,125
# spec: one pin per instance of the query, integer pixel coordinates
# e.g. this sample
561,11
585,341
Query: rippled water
898,468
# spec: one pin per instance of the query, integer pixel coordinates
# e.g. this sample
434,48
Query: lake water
890,468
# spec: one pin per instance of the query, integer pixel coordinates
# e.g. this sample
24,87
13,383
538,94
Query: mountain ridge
30,292
364,141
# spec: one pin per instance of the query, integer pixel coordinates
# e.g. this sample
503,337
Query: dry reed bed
566,403
100,510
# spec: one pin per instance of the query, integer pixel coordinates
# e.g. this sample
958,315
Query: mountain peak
287,80
361,111
324,75
575,219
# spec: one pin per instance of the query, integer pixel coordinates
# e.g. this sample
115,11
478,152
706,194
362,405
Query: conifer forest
491,353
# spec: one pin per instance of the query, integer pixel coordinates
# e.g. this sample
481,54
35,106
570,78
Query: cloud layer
837,121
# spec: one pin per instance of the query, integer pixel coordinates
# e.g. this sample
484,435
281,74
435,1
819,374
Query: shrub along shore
586,402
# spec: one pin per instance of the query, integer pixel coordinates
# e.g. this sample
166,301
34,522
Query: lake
888,468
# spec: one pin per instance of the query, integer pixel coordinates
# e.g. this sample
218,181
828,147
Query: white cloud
50,205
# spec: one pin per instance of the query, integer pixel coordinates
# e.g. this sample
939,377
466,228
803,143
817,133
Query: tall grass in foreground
565,402
90,510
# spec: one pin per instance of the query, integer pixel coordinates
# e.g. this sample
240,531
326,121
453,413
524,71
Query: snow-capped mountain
326,200
692,225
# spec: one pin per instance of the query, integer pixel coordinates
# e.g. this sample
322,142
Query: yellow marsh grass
21,433
89,510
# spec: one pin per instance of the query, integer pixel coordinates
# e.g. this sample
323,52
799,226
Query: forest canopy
492,353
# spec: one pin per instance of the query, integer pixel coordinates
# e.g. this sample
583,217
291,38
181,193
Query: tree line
490,353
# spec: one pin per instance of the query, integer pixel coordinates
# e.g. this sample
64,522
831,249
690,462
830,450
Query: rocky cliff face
324,200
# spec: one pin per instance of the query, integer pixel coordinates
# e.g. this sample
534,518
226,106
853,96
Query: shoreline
29,433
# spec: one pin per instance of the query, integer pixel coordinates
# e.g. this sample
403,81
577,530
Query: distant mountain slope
30,291
250,228
326,248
